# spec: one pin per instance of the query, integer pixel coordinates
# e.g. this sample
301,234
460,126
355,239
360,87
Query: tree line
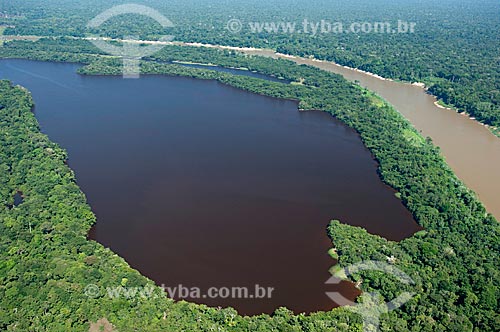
46,260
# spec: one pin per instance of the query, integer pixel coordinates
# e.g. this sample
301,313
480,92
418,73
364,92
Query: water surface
234,71
470,149
18,198
200,184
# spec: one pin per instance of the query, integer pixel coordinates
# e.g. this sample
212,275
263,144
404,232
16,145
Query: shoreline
311,58
491,129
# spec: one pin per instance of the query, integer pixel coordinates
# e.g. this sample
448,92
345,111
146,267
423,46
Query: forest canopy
47,261
453,50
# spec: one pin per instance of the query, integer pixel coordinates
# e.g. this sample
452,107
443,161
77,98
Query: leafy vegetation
454,49
46,261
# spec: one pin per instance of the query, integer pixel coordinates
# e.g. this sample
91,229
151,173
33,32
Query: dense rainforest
454,50
46,260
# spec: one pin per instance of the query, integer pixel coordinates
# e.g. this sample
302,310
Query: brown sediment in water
228,189
469,147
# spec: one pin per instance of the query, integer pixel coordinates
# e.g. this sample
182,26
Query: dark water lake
200,184
18,198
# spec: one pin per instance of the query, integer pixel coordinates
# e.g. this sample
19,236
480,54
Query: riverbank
456,226
251,50
469,147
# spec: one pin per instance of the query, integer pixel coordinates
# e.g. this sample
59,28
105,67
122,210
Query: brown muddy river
470,149
199,184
